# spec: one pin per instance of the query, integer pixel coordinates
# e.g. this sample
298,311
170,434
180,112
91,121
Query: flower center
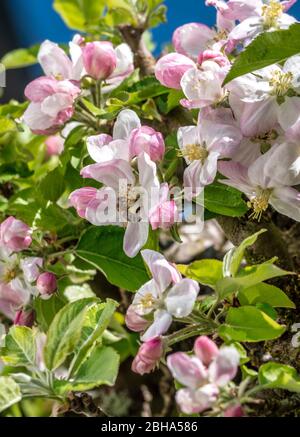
281,82
259,203
9,275
147,301
271,13
194,152
58,76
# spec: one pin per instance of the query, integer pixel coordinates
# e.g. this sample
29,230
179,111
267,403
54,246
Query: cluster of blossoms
126,166
21,276
203,375
53,96
248,131
253,122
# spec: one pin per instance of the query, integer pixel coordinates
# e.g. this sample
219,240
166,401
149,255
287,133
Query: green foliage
249,324
101,368
79,14
248,277
102,247
234,257
276,375
10,392
20,58
224,200
265,293
205,271
268,48
65,331
19,348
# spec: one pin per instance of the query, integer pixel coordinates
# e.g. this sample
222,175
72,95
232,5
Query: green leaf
248,277
46,310
10,392
53,185
93,328
224,200
6,125
276,375
65,331
249,324
265,293
234,257
20,347
267,49
101,368
205,271
20,58
78,14
102,247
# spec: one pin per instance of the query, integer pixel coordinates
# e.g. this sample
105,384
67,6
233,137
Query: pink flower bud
54,145
46,283
15,235
215,56
205,349
24,318
165,213
148,356
146,139
135,322
99,59
170,69
234,411
81,198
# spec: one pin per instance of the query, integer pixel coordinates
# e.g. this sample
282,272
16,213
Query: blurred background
25,23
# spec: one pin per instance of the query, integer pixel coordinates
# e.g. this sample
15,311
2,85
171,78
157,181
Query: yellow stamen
259,203
194,152
147,301
59,76
281,82
9,275
271,13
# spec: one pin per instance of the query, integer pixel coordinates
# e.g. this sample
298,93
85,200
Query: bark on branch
143,59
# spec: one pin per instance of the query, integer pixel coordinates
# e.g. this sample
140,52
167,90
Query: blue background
35,20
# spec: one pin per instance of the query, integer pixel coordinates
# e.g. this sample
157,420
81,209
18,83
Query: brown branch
143,59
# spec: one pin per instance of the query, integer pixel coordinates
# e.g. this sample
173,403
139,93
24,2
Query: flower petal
135,238
181,298
187,370
162,322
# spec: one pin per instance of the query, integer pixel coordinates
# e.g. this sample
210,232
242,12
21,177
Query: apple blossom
263,190
170,68
15,235
56,64
46,284
99,59
129,139
80,199
133,199
165,213
216,136
165,296
52,104
262,99
266,17
25,318
16,281
54,145
135,322
146,139
202,381
234,411
148,356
